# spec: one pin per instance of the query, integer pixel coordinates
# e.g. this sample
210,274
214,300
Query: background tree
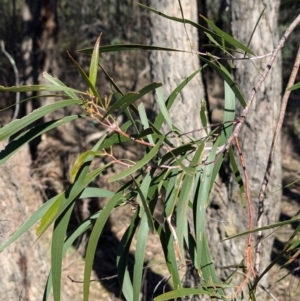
167,67
225,213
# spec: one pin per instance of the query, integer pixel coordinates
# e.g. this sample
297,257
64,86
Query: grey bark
226,214
171,68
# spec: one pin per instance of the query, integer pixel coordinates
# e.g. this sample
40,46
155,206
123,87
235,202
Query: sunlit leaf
183,292
32,133
93,242
79,161
129,98
139,257
58,237
40,88
294,87
162,107
19,124
274,225
94,65
92,88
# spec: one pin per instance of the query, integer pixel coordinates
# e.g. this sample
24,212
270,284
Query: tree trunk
23,272
171,68
40,30
226,215
25,264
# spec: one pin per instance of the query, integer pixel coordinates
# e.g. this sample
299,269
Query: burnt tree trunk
40,30
39,39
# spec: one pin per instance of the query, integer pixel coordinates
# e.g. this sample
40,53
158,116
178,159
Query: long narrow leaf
38,214
93,241
139,257
83,227
253,31
229,114
129,98
162,107
185,196
87,80
68,196
122,47
202,201
142,199
238,177
294,87
58,237
228,38
226,76
145,122
19,124
94,65
181,20
113,83
40,88
160,118
122,255
207,267
59,83
275,225
32,133
183,292
167,243
173,190
203,115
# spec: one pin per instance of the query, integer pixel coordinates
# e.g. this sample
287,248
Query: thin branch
249,260
242,118
244,58
265,182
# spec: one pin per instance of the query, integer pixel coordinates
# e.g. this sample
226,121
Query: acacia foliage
183,174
